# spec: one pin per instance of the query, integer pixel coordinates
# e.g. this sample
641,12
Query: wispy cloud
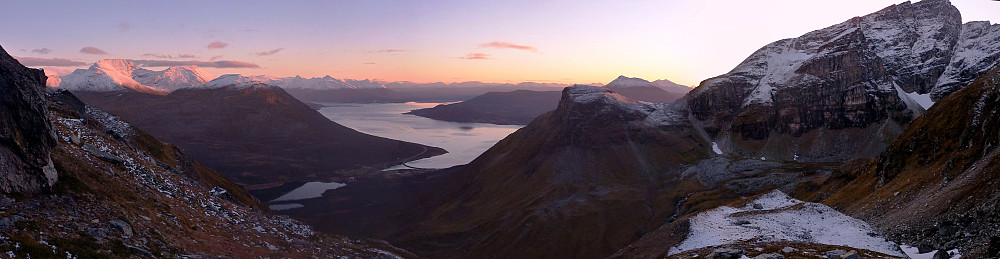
214,58
217,45
216,64
369,63
42,51
124,26
269,52
476,56
178,56
507,45
388,51
93,51
49,62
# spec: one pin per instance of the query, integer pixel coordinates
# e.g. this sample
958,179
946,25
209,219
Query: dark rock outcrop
26,137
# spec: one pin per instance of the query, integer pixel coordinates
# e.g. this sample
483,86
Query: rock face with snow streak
642,90
799,97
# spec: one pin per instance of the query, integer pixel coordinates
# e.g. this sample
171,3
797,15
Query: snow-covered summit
107,75
627,82
120,74
172,78
657,114
240,81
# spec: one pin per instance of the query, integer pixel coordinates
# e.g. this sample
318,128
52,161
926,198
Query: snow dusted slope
107,75
172,78
776,217
978,47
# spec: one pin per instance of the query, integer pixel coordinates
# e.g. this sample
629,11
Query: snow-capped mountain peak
108,75
240,80
626,82
172,78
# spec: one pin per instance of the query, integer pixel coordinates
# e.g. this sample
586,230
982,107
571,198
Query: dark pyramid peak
26,137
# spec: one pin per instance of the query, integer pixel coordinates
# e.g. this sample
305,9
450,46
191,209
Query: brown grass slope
936,184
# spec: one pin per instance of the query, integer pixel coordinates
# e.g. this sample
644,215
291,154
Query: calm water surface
464,141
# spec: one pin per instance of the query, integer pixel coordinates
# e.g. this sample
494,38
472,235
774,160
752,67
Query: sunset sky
427,41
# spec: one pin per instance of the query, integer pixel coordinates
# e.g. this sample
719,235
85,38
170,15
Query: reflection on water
308,191
287,206
464,141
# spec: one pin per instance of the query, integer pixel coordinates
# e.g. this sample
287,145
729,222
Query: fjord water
464,141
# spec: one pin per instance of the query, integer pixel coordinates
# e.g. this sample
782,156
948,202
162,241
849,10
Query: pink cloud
217,45
476,56
178,56
507,45
269,52
51,62
216,64
93,51
387,51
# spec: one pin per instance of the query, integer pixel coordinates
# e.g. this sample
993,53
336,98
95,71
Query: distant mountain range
120,74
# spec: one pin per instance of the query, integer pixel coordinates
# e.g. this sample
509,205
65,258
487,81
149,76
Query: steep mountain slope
516,107
256,133
642,90
119,193
935,185
844,91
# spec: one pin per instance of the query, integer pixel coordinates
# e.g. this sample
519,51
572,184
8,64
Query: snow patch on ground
777,217
715,147
914,253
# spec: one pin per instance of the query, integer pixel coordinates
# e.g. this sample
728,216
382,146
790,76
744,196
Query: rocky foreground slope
80,182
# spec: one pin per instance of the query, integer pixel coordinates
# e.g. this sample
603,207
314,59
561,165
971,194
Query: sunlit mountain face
492,129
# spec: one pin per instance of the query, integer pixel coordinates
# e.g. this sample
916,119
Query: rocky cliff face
796,99
25,134
933,186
